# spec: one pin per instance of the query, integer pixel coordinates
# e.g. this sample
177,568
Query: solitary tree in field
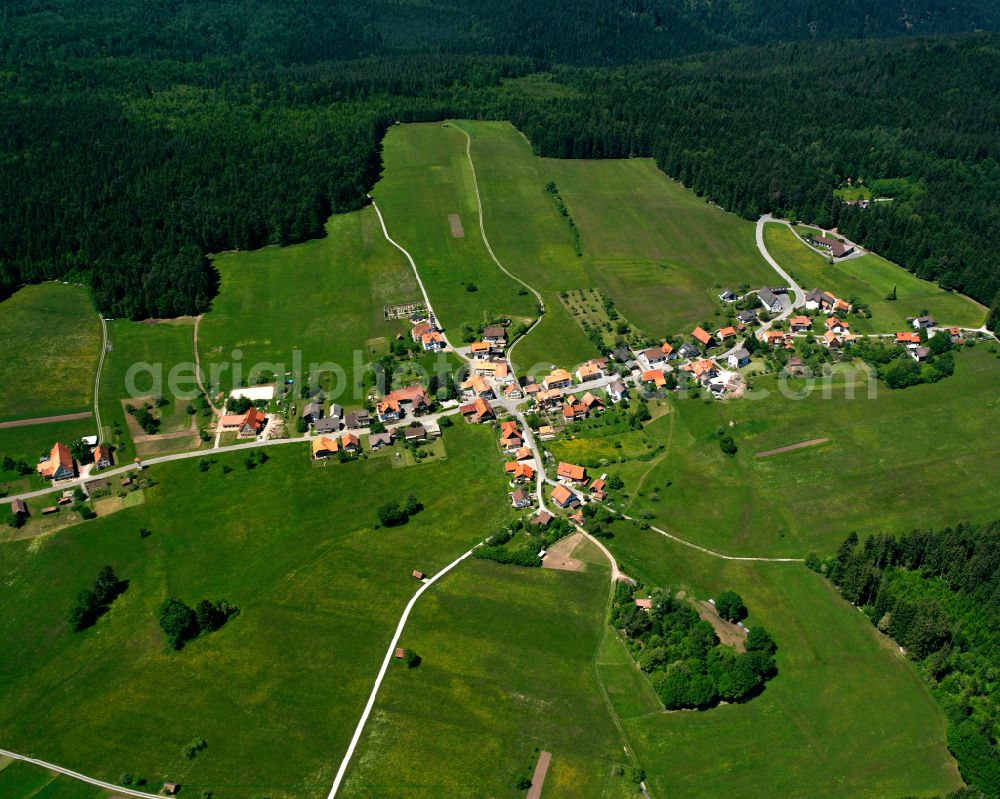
730,606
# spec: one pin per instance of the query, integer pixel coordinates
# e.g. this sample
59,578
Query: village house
644,604
541,519
478,411
688,350
571,473
102,456
545,400
476,386
510,436
831,340
837,325
350,443
770,300
654,356
324,447
747,317
433,341
479,349
738,358
415,433
591,370
838,249
908,339
617,391
597,489
513,392
924,322
520,498
592,403
357,419
703,337
379,440
726,332
956,335
621,355
796,368
312,412
800,324
328,424
775,338
546,433
728,295
495,336
654,376
519,472
496,369
420,330
702,369
393,406
246,425
524,453
564,498
574,411
668,350
920,354
559,378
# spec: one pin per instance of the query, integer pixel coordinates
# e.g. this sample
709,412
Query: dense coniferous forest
135,138
938,595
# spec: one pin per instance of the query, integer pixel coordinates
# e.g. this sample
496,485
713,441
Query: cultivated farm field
870,279
277,691
322,298
51,339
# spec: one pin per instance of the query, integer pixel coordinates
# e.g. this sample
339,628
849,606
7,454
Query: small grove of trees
392,514
92,603
182,623
730,606
688,665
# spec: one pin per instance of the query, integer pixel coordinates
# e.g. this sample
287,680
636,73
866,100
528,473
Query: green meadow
322,299
654,247
846,716
887,465
871,279
51,336
506,672
426,179
19,780
277,691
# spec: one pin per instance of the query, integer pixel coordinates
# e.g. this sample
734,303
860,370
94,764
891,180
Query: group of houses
60,464
412,400
825,302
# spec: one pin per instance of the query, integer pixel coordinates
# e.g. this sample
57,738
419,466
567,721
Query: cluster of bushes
92,603
495,547
182,623
392,514
598,518
553,191
897,369
8,464
148,421
688,665
937,594
524,555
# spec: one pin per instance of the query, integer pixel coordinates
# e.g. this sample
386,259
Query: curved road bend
798,295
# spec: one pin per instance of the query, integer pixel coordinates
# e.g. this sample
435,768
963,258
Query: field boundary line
389,653
63,417
197,366
108,786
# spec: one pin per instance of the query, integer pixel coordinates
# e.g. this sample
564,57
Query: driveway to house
798,295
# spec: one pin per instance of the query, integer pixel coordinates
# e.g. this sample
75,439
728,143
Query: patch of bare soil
538,778
457,231
812,442
66,417
559,555
728,633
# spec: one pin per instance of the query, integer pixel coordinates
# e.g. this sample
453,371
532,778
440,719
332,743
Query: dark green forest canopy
137,137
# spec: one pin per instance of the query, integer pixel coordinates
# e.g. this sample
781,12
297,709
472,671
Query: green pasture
846,716
51,339
426,178
871,279
654,247
20,780
277,691
319,302
506,671
922,456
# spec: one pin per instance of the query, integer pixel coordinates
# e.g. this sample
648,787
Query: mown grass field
506,667
322,299
846,716
889,465
20,780
275,693
654,247
427,178
871,279
149,359
51,339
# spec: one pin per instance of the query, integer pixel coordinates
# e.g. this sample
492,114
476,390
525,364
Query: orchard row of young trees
937,593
